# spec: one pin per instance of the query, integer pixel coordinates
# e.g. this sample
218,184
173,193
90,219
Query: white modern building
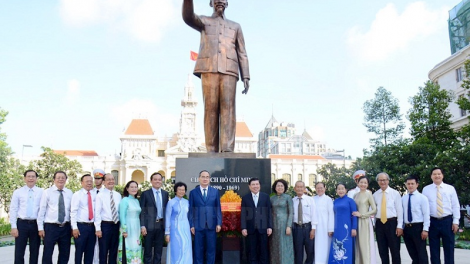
449,74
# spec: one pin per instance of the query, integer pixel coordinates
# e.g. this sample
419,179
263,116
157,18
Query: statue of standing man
221,55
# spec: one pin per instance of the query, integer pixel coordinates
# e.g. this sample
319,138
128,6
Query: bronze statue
221,55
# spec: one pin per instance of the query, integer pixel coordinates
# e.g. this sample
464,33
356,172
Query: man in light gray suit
221,56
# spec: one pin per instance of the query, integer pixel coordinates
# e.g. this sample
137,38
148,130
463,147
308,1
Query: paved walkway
462,256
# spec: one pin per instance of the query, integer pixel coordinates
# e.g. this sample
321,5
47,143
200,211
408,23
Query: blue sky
73,73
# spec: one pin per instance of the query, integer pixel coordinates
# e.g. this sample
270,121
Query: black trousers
414,244
258,250
108,243
301,236
153,244
441,228
85,243
387,239
60,235
27,230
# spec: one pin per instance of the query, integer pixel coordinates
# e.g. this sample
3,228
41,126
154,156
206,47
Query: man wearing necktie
107,221
82,219
256,222
305,224
54,219
153,203
24,209
416,218
444,208
205,219
389,220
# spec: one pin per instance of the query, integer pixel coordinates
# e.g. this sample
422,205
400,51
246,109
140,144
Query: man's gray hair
382,173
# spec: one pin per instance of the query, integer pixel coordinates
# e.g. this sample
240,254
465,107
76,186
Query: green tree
10,169
333,175
430,117
50,162
383,118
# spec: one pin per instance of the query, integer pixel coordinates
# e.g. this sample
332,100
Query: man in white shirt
82,218
356,177
444,208
98,175
305,223
107,221
389,220
416,218
24,208
54,219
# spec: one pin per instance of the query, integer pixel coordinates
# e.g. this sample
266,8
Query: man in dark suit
256,223
153,203
221,56
205,218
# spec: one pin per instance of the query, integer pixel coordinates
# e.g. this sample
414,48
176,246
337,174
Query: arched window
311,180
286,177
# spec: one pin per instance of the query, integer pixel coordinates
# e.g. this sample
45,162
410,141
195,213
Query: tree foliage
433,143
430,116
50,162
333,175
10,169
383,118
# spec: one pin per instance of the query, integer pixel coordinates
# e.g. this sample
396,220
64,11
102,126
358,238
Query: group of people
278,229
345,227
106,227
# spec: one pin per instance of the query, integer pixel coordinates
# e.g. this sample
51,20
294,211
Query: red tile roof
139,127
242,130
76,152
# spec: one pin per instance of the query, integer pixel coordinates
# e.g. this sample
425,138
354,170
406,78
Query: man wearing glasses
389,220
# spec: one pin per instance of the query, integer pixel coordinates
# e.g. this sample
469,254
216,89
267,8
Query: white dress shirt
450,201
103,207
308,210
49,208
99,190
394,205
419,209
202,190
19,204
79,207
159,193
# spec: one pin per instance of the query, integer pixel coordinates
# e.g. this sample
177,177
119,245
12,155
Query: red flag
193,56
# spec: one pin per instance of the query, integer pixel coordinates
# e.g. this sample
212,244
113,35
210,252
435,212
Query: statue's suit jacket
222,48
204,213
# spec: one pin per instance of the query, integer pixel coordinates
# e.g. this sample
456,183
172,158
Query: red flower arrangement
231,213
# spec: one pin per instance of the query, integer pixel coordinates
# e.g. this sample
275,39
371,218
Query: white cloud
391,31
73,91
142,19
143,108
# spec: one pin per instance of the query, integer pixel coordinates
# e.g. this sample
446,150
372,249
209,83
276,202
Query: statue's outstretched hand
246,83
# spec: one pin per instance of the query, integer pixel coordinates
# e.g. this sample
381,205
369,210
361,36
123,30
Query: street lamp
22,151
